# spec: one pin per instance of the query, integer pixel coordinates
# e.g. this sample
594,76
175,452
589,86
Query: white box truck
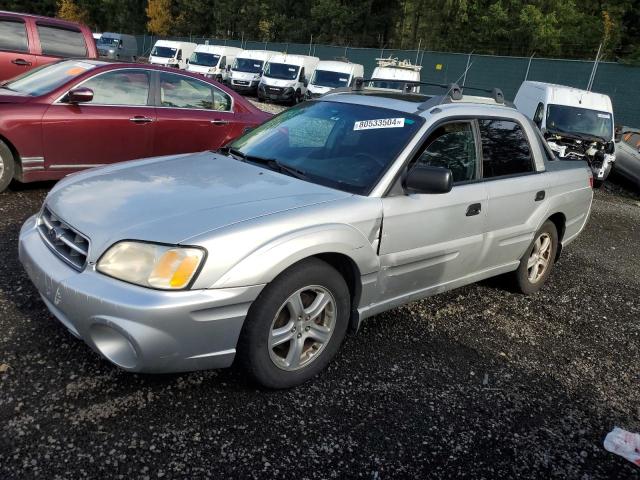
392,74
213,61
577,124
286,78
332,74
171,54
247,69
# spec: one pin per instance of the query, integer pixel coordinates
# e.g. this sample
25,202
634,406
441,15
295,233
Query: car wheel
296,325
7,166
537,262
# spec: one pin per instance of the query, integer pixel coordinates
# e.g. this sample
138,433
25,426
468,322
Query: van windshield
47,78
204,59
248,65
339,145
282,71
109,41
582,121
326,78
163,52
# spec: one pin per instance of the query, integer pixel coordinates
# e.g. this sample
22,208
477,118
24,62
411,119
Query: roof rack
390,62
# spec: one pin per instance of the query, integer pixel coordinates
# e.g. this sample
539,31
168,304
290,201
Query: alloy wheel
540,258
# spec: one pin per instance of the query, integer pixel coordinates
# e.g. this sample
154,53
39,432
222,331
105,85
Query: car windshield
204,59
163,52
47,78
108,41
339,145
387,84
248,65
326,78
564,119
282,71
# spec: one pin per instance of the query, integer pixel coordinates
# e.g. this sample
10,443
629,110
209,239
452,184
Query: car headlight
150,265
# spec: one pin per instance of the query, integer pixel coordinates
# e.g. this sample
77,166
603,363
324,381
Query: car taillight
591,181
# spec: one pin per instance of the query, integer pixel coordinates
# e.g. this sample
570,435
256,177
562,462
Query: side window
539,115
301,74
179,57
505,149
120,87
13,35
632,139
61,42
452,146
183,92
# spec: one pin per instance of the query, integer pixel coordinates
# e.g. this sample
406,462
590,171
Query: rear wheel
537,262
7,166
296,325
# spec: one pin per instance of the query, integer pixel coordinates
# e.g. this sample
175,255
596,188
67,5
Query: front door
432,240
15,58
116,125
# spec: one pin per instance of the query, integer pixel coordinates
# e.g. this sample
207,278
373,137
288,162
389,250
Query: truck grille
240,82
275,90
70,245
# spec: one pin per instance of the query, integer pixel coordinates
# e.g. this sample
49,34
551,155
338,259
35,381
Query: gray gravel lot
475,383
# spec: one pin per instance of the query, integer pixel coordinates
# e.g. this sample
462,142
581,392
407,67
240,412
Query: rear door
15,56
57,41
193,116
430,241
516,191
117,125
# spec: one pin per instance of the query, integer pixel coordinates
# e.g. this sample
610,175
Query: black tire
253,351
522,274
7,166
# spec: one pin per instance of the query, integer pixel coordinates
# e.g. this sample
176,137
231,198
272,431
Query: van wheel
7,166
295,326
537,262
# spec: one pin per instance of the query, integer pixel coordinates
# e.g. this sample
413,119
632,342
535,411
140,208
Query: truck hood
172,199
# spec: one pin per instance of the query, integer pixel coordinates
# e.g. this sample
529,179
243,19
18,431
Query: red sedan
77,114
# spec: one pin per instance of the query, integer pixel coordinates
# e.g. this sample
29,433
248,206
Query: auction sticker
379,123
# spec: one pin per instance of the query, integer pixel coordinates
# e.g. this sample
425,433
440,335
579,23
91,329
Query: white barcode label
604,115
379,123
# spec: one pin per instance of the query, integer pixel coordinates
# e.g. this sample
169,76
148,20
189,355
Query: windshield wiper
576,135
271,163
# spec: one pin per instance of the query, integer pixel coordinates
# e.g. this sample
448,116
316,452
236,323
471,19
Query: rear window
61,42
13,35
505,149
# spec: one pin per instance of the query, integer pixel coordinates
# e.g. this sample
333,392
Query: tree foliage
558,28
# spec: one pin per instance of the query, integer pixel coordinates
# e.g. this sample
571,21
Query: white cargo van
286,77
332,74
577,124
171,54
391,74
213,61
247,69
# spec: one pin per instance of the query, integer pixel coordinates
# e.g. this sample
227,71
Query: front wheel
296,325
7,166
537,262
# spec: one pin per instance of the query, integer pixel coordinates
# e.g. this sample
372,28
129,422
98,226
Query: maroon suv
29,41
76,114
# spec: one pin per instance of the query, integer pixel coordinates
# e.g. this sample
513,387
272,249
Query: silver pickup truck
271,249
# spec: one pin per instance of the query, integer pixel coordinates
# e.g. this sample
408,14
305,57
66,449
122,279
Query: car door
430,241
516,192
116,125
15,57
193,116
628,156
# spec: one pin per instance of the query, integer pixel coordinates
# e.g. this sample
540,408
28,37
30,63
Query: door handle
474,209
540,195
140,119
219,122
20,61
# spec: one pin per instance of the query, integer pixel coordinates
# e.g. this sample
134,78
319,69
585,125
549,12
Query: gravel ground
476,383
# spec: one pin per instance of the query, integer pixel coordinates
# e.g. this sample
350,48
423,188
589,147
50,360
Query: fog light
114,346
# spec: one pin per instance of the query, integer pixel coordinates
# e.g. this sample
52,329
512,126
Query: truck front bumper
136,328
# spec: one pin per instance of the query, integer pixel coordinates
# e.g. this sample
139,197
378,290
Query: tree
160,18
69,10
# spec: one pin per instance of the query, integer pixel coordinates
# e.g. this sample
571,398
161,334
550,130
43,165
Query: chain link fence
619,81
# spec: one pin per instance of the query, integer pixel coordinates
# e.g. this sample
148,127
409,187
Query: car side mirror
424,179
186,61
228,68
617,136
80,95
305,82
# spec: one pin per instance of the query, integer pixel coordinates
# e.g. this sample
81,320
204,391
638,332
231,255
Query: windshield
109,41
248,65
326,78
47,78
282,71
164,52
564,119
339,145
204,59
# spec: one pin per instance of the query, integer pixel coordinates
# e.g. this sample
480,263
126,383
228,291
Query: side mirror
187,61
80,95
260,73
228,68
617,136
423,179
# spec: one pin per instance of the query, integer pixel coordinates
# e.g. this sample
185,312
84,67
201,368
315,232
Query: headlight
150,265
